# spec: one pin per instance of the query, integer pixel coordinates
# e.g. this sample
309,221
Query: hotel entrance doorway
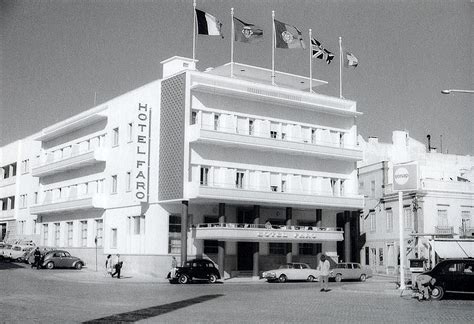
245,249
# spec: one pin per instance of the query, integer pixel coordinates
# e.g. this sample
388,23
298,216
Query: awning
453,249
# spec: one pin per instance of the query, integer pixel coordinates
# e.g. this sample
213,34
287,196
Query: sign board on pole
405,177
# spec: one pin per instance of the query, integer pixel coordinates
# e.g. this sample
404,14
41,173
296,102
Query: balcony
205,194
263,233
444,230
7,214
261,143
70,204
78,158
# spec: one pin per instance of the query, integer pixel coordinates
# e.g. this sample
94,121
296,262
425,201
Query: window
113,238
4,203
251,127
274,188
372,188
381,256
193,117
239,179
442,217
12,202
70,231
130,132
23,201
373,222
35,198
174,234
204,176
211,246
389,215
216,122
137,224
273,134
6,172
83,233
113,189
283,185
115,136
13,165
407,217
309,248
21,227
129,181
25,166
45,234
33,230
57,233
277,248
99,228
465,219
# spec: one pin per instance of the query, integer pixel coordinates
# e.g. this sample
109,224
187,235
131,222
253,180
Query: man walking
37,255
324,266
117,266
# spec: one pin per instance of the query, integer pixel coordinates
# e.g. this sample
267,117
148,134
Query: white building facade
194,165
437,217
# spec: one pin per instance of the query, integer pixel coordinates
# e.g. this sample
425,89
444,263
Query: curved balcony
70,204
266,233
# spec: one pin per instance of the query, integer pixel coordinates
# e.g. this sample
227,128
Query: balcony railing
444,230
266,233
71,203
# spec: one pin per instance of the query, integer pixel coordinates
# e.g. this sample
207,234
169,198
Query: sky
58,57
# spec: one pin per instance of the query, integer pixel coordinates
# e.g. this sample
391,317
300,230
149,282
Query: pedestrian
108,264
37,255
117,267
174,264
324,266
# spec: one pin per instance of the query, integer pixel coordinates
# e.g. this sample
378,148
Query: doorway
245,249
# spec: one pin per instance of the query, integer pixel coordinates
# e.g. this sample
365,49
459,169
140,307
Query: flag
320,52
208,24
246,33
350,60
287,36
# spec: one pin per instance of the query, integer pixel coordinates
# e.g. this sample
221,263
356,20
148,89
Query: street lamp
449,91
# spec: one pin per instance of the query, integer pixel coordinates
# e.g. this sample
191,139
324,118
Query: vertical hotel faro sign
405,177
142,152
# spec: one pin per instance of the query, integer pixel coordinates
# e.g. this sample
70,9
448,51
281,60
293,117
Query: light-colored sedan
350,270
292,271
17,252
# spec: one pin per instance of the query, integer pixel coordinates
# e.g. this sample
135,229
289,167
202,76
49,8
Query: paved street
59,296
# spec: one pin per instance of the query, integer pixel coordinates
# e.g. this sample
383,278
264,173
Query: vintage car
350,270
61,259
197,269
292,271
18,252
5,250
451,275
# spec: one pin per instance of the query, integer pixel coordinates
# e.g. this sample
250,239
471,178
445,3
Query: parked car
30,256
61,259
292,271
350,270
451,275
197,269
18,252
5,251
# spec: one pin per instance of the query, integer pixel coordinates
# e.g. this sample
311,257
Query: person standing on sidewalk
37,255
174,264
108,265
117,266
324,266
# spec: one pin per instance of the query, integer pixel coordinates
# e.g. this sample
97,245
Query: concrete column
347,236
221,244
256,249
288,223
184,231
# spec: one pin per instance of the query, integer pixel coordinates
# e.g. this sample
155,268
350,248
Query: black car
197,269
452,275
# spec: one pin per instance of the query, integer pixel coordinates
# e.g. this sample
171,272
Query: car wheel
310,279
362,277
183,279
78,266
282,278
50,265
212,278
437,293
339,277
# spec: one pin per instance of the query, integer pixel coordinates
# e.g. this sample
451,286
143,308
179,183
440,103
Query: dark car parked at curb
451,275
61,259
197,269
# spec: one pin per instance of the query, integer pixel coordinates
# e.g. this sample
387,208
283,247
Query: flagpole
194,31
340,67
273,47
310,63
232,44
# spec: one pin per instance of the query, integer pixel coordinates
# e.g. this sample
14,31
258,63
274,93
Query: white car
17,252
292,271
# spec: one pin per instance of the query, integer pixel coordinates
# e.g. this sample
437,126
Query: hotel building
194,165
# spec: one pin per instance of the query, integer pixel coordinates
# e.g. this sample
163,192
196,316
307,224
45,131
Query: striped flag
320,52
208,24
350,60
287,36
246,33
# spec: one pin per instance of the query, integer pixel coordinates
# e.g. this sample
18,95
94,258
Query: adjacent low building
194,165
437,216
